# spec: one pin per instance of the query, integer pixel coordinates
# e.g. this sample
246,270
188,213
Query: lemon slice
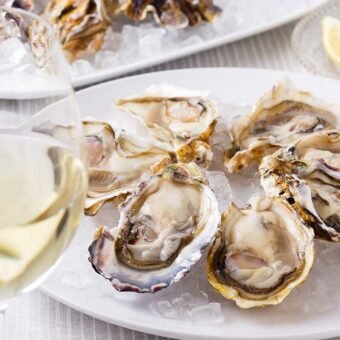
331,38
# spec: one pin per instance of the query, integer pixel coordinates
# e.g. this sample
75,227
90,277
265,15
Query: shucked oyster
307,175
175,13
116,164
80,25
162,230
280,117
260,253
176,117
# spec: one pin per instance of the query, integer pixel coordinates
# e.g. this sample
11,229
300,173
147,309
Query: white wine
42,191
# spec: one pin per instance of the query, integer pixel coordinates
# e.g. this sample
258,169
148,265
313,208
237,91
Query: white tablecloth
36,316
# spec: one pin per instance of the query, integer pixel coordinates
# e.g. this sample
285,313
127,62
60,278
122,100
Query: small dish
307,41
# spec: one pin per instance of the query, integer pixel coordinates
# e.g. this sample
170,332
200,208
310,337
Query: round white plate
310,312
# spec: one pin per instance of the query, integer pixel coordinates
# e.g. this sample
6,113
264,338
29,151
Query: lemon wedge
331,38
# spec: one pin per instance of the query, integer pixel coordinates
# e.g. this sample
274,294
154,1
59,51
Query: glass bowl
307,41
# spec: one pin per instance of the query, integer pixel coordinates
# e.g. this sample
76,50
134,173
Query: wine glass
42,177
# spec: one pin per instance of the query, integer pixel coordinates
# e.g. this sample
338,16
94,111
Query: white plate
75,283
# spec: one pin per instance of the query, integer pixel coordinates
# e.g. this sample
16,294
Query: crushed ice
197,308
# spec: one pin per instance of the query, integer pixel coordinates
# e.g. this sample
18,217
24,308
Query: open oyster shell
80,25
116,164
281,117
173,13
173,115
163,227
260,253
307,175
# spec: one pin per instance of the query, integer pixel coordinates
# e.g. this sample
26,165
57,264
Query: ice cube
113,40
219,184
130,35
167,310
244,184
193,40
106,59
81,67
180,306
150,41
208,313
190,300
220,135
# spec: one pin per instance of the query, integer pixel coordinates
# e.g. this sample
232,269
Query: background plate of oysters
104,39
294,275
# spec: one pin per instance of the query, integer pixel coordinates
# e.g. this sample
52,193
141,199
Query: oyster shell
173,13
281,117
116,164
40,43
163,227
307,174
260,253
80,25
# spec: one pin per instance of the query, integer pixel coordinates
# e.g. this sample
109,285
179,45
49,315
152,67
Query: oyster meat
260,253
163,227
307,174
116,164
280,118
173,13
80,25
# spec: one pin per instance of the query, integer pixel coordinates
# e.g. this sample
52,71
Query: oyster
80,25
280,117
260,253
307,174
163,227
27,5
40,43
116,164
176,117
173,13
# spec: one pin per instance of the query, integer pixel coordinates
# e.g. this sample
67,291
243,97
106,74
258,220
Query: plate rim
166,330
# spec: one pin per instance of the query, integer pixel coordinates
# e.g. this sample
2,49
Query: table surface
35,316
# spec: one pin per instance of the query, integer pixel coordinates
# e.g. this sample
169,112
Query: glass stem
2,322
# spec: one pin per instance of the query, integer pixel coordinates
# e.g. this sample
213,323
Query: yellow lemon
331,38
